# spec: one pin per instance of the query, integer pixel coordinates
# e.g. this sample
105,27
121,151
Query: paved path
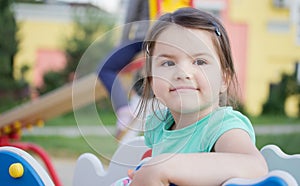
65,169
277,129
73,131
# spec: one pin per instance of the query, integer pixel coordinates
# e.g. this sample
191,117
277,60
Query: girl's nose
184,74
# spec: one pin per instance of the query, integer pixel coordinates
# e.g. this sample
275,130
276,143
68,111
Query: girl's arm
234,156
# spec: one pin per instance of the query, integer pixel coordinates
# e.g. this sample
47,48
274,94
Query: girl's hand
153,173
130,173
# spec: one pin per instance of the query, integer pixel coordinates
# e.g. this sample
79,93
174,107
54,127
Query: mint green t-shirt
198,137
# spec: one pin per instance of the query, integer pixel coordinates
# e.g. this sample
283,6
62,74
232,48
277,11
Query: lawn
107,117
274,119
289,143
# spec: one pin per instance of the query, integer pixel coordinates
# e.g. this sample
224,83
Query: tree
9,43
280,92
11,89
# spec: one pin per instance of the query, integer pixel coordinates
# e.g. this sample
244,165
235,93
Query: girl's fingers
130,173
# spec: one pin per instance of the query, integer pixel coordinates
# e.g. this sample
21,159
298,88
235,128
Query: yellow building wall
35,35
269,53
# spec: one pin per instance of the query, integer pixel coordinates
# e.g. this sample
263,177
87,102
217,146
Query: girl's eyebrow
164,56
200,54
170,56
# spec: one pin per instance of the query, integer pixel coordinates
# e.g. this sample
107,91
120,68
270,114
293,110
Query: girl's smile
183,88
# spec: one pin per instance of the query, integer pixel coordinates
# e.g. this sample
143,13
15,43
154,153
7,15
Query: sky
109,5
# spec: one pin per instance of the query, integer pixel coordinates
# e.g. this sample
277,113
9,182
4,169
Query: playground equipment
34,113
159,7
42,108
284,170
19,168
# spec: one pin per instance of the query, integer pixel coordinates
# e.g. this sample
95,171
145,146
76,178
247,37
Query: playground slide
55,103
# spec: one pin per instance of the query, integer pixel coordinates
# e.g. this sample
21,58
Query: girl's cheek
159,86
156,84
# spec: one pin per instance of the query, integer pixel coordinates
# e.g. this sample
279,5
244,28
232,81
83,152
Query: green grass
107,118
92,114
289,143
274,119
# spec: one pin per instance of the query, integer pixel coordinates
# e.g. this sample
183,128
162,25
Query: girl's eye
168,63
199,62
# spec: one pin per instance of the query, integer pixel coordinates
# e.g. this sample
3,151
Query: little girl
198,139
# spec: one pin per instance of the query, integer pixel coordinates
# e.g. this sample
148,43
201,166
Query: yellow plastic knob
17,125
29,127
6,129
16,170
40,123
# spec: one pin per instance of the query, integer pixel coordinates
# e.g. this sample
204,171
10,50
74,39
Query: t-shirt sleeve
231,120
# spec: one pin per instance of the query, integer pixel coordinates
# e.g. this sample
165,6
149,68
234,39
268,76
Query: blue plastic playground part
269,181
29,177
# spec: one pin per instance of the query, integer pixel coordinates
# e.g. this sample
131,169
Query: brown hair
194,19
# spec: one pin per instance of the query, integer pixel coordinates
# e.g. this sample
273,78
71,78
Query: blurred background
42,42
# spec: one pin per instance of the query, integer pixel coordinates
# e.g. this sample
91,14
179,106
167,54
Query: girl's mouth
183,88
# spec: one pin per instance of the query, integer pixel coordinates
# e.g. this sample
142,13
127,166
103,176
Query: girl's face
186,71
